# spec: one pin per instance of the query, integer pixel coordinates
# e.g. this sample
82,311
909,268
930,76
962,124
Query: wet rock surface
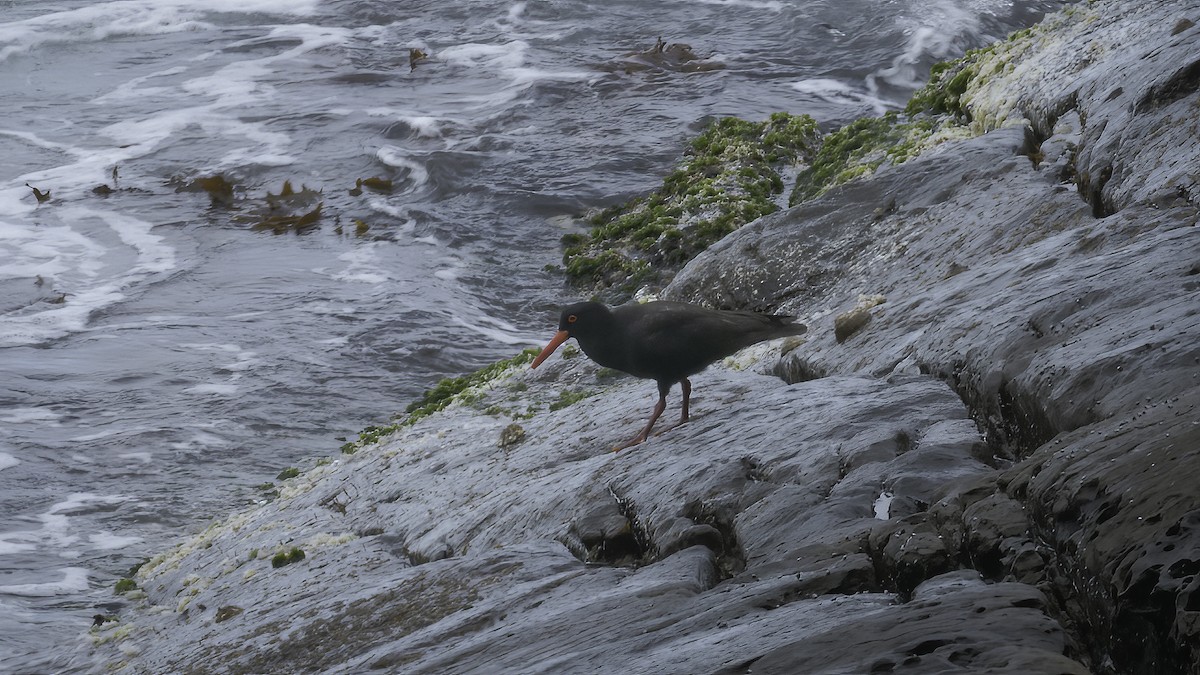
995,471
1065,315
712,546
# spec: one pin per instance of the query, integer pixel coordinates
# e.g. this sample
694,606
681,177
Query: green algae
568,398
729,177
859,148
953,85
462,389
459,389
948,107
283,559
511,435
946,91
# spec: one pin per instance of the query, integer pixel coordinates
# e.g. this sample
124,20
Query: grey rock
996,474
756,517
1064,314
915,638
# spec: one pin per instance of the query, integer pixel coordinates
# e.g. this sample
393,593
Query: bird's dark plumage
663,341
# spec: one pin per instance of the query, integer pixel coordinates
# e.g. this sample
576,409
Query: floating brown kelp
415,56
289,210
374,184
219,189
281,223
42,197
677,57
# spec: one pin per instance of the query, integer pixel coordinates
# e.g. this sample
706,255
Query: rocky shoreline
982,456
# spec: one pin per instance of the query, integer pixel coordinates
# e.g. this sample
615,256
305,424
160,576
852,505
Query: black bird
663,341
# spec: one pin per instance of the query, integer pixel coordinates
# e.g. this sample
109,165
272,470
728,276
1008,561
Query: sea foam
75,580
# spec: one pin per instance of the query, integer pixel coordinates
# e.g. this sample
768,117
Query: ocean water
161,357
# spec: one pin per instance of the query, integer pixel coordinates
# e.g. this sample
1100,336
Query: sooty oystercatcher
663,341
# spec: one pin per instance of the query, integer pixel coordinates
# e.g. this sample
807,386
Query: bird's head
574,319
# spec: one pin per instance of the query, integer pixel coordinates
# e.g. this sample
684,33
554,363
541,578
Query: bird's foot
636,440
670,428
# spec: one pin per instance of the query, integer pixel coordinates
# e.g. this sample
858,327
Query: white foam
99,21
244,359
75,580
80,263
56,529
7,461
397,213
49,251
425,126
363,266
214,389
219,99
935,30
109,433
106,541
43,416
836,91
202,440
143,457
16,542
212,347
78,500
136,89
527,75
449,273
36,140
477,55
883,505
398,158
769,5
242,81
495,329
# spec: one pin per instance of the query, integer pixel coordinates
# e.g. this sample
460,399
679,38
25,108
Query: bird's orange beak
559,338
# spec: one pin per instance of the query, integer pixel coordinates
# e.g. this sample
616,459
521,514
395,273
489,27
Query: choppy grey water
160,358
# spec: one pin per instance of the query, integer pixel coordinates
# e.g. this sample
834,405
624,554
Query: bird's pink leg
658,410
686,386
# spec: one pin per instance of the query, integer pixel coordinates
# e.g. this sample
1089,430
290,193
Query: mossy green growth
729,176
290,472
282,559
451,389
859,148
951,105
948,91
567,398
845,154
124,586
943,94
441,395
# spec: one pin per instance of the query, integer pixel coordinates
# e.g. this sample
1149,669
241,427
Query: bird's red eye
572,319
